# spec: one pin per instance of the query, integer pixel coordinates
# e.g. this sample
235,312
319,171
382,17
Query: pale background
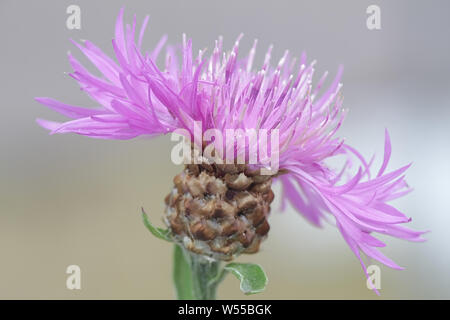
72,200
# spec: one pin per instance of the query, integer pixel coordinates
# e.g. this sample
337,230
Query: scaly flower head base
220,210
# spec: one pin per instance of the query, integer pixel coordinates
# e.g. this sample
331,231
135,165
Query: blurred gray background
68,199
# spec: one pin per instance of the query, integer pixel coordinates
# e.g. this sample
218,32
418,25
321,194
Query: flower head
221,91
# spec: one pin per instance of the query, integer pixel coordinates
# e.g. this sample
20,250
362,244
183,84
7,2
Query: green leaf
252,277
182,275
160,233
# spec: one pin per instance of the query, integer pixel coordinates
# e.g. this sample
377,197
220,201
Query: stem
206,275
196,277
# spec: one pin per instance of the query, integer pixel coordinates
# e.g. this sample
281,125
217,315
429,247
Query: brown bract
219,210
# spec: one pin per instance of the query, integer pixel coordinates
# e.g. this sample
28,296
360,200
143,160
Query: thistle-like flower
220,209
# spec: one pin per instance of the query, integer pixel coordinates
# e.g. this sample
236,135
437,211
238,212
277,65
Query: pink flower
136,97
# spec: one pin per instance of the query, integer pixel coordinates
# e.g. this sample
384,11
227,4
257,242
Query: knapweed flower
221,209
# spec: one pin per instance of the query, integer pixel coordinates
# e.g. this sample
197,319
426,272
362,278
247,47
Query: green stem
205,277
196,276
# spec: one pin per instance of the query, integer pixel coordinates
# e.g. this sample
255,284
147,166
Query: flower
222,91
